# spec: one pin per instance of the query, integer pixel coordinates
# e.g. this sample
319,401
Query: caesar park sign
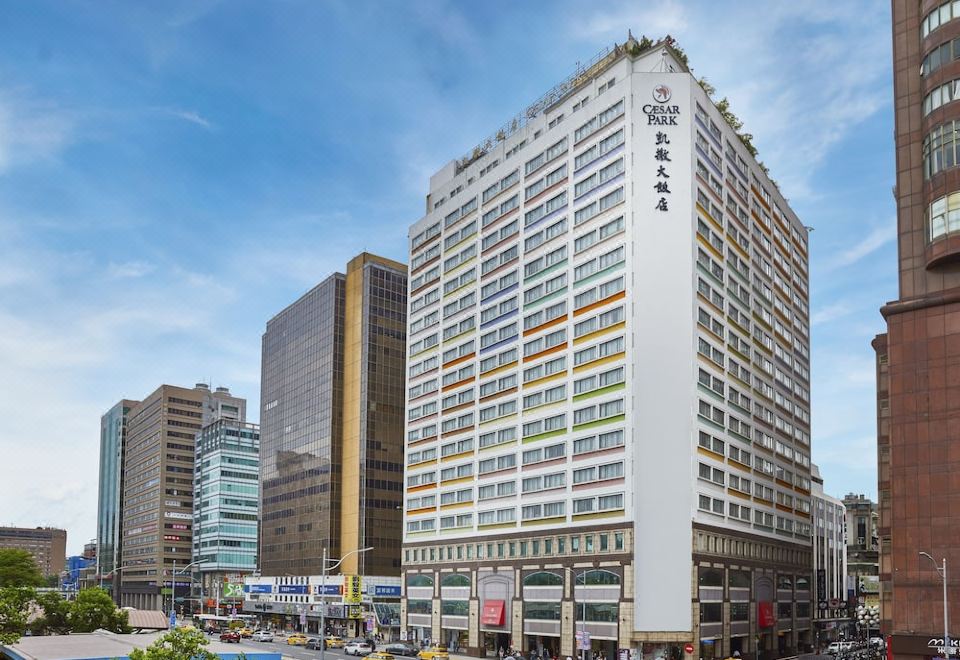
661,114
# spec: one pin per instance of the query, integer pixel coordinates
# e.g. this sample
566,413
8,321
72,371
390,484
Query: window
598,612
598,381
501,437
545,315
605,231
545,235
498,463
547,181
501,185
547,424
599,292
545,288
502,234
599,351
496,411
943,216
609,440
539,455
599,121
546,208
598,411
599,322
600,149
545,261
541,159
502,334
545,342
544,397
544,369
541,611
595,208
598,178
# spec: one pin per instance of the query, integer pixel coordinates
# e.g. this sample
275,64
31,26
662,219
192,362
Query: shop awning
492,613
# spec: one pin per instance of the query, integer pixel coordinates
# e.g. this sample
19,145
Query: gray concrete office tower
158,466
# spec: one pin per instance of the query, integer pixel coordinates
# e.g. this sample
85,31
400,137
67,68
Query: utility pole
942,570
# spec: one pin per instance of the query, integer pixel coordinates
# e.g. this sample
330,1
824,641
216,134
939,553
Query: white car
262,636
357,647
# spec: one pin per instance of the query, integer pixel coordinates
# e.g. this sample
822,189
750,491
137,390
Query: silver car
262,636
357,647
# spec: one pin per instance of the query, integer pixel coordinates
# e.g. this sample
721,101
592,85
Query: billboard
352,590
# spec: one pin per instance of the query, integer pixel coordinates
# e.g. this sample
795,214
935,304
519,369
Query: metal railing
582,74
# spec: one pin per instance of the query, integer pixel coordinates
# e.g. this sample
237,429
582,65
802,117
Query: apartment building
332,424
608,382
48,546
157,499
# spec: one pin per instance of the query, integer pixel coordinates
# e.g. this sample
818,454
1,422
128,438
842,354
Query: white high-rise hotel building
608,382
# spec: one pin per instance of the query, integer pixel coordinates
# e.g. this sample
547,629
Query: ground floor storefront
554,597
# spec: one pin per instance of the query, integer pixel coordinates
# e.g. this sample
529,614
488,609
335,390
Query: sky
173,174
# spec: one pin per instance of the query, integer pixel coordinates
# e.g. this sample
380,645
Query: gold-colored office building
331,424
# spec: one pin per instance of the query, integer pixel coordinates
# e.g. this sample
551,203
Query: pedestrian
501,653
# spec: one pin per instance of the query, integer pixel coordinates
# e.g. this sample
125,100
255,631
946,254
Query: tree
14,610
56,615
94,609
178,644
18,569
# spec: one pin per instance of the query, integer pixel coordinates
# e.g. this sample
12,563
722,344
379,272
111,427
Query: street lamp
173,583
323,591
583,616
942,570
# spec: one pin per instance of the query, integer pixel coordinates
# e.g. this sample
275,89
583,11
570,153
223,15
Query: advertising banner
352,590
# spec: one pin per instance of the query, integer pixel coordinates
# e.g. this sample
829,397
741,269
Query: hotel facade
918,392
608,382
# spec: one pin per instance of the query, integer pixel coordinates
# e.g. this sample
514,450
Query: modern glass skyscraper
608,381
226,502
332,423
113,429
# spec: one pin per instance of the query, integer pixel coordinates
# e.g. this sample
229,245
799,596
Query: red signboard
765,618
492,613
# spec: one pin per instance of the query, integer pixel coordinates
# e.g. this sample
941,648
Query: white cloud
830,313
798,95
612,22
190,116
873,241
130,269
31,129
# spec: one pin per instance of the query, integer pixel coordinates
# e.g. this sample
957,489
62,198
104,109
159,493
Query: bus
214,623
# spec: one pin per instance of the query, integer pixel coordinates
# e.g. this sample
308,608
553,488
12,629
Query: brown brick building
918,359
47,545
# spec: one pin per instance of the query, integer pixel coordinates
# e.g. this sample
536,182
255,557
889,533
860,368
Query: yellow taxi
435,652
297,639
334,642
245,632
380,655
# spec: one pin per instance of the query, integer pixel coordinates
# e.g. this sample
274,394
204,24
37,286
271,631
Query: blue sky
174,173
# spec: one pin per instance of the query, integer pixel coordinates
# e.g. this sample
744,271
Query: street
290,650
